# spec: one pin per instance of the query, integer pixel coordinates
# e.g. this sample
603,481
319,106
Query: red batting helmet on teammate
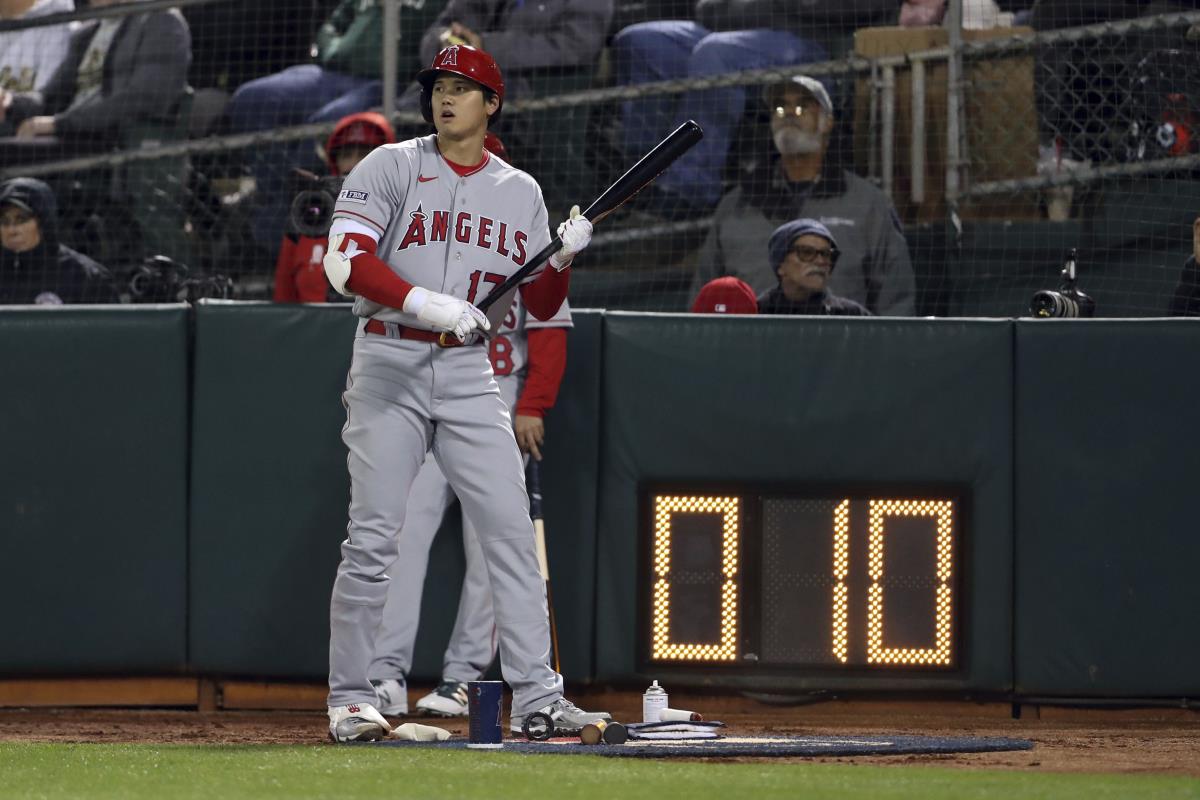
467,61
492,143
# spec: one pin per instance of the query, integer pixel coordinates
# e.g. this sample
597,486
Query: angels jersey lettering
438,233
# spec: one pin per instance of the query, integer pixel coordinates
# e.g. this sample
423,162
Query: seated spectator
120,71
803,182
30,56
803,254
34,266
232,46
1186,302
976,14
725,36
523,36
726,295
299,271
344,78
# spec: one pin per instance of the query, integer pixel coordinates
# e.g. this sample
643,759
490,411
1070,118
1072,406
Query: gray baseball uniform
472,644
458,235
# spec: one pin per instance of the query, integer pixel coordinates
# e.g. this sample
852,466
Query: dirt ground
1161,741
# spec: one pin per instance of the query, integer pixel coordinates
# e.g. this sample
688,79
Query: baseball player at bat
528,358
421,230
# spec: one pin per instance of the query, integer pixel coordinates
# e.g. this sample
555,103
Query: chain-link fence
956,152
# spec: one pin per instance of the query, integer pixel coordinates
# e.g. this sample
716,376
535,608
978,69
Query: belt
380,328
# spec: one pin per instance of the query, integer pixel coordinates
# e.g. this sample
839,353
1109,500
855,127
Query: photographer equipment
160,279
1068,301
312,208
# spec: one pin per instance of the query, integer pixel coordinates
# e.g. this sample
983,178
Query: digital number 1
941,653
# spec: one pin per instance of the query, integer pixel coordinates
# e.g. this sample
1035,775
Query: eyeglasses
810,255
13,220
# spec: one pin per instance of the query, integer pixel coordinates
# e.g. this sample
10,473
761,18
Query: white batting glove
445,313
576,234
472,320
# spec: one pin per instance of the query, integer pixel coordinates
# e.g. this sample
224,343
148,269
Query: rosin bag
675,730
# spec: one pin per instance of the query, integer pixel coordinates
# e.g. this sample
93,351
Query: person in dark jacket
724,36
803,253
1186,301
34,267
120,71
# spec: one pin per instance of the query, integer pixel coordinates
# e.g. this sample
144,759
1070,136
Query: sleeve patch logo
351,196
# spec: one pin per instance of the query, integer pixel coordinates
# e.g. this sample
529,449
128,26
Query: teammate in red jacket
299,275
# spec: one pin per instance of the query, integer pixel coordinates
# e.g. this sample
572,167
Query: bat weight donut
538,726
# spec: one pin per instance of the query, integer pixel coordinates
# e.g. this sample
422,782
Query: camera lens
1047,304
311,212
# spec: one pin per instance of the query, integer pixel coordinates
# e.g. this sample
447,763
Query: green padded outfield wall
269,485
795,400
1108,531
270,491
93,490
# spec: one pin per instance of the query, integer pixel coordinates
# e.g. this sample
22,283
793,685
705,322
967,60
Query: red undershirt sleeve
544,296
547,362
369,276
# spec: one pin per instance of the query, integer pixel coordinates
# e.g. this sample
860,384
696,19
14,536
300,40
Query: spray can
653,702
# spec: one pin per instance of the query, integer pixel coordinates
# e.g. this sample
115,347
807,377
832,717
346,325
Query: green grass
358,773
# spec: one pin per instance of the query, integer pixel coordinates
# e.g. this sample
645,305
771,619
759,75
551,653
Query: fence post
954,89
391,41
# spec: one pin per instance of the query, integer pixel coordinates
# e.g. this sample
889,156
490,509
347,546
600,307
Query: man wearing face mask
803,253
800,181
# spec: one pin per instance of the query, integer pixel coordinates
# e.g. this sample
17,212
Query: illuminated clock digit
841,571
666,508
941,653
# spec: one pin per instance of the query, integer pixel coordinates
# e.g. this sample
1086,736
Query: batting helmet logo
468,62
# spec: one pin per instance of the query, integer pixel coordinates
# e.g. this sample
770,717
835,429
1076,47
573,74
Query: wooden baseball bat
636,178
539,528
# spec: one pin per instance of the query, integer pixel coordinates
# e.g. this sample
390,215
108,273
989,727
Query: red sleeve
544,296
285,273
547,362
369,276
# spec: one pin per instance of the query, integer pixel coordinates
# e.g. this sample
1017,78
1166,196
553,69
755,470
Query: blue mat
754,746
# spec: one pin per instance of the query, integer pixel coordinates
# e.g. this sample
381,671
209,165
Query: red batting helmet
366,129
467,61
492,143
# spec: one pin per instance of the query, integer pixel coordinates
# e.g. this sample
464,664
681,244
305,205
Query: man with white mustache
804,253
799,181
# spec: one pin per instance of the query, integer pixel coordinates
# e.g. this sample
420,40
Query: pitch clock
838,578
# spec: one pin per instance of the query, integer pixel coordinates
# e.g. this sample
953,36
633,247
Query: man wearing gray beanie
803,254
